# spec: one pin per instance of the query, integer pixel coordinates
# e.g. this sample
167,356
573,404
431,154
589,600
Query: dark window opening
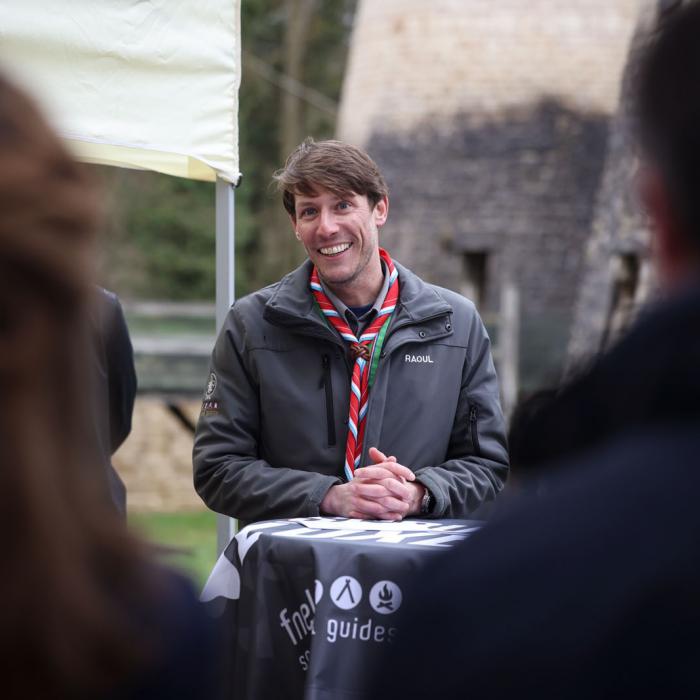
474,276
624,295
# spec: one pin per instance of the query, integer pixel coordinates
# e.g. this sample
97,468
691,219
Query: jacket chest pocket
301,392
422,394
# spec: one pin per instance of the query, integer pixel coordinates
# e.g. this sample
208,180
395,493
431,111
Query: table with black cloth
309,603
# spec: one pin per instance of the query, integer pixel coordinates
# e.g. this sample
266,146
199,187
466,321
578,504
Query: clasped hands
384,490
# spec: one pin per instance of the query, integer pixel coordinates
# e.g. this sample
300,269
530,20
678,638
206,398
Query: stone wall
412,61
155,461
520,190
607,302
491,123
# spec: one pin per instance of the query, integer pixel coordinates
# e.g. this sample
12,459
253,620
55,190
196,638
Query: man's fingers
378,456
367,508
368,499
372,490
395,505
397,489
384,470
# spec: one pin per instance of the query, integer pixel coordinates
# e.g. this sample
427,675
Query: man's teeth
335,249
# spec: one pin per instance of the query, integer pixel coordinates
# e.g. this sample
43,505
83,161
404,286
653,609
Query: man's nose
326,222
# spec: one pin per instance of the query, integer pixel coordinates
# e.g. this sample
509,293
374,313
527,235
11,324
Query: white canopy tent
150,85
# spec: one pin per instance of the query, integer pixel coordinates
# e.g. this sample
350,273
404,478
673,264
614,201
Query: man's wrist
327,505
418,492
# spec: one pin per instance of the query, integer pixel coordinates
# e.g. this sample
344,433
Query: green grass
188,539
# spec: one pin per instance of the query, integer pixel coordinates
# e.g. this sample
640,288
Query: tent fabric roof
137,84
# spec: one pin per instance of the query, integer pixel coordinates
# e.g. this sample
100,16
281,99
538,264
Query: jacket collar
292,303
418,300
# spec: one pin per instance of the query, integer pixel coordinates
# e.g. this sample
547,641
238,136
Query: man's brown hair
331,165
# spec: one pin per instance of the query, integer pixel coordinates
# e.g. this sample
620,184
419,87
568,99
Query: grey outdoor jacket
271,436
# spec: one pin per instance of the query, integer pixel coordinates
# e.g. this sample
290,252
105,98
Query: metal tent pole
225,295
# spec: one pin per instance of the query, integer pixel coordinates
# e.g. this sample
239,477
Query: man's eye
309,211
343,205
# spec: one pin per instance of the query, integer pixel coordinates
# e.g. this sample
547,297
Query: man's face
341,236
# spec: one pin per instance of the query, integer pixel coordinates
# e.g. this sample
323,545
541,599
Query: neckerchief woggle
366,350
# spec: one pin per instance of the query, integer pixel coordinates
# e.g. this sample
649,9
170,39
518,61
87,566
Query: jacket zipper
473,413
327,383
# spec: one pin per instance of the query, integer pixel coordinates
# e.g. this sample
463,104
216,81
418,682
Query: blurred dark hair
338,167
67,559
668,110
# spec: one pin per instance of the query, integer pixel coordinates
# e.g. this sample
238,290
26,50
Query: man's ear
670,246
293,220
381,211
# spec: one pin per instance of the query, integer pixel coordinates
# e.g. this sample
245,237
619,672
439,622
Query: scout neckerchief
366,350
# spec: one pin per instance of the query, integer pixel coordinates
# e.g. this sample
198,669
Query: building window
626,278
474,276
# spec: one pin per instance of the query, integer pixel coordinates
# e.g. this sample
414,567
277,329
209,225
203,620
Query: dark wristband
427,502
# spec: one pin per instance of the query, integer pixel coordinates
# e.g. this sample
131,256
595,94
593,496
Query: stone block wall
412,61
491,122
155,461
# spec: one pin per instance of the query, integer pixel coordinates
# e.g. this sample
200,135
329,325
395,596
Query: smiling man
350,387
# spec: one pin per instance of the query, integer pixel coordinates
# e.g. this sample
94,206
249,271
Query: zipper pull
327,383
325,363
473,429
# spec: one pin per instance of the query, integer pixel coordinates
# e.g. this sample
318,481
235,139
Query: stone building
618,277
491,122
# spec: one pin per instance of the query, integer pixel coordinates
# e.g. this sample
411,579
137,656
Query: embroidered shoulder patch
211,386
209,408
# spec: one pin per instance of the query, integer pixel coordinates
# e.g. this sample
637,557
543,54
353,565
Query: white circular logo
385,597
346,592
318,591
211,385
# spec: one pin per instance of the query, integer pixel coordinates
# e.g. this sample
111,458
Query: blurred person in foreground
351,387
593,591
84,612
525,477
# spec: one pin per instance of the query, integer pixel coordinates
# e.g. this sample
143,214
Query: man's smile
341,236
335,249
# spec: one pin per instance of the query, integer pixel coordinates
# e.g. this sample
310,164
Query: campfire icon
385,597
